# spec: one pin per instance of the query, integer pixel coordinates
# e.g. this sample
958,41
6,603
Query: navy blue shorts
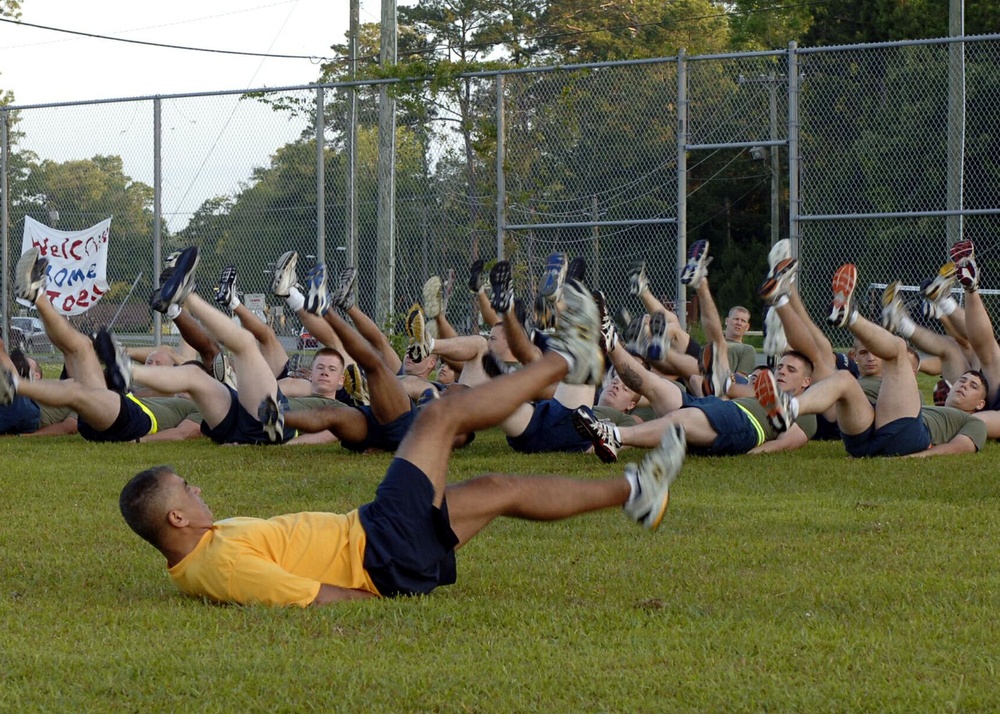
826,430
385,437
131,424
241,427
409,544
737,432
550,429
901,437
21,416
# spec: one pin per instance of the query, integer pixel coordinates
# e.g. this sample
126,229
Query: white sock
781,301
793,407
295,300
173,311
235,302
947,306
632,476
906,328
570,361
430,345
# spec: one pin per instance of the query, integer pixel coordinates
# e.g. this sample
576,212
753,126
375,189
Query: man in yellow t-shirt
404,541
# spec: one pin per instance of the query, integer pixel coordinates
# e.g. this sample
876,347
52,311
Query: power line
311,58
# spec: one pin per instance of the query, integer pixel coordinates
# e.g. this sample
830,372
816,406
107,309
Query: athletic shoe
117,363
171,261
602,434
317,300
416,327
553,277
545,314
638,283
226,291
222,369
780,252
427,396
775,341
843,311
29,275
637,335
776,403
966,271
502,287
8,385
715,368
893,310
523,315
609,335
284,274
657,347
779,282
175,288
652,477
477,276
578,326
343,294
577,270
697,266
356,384
939,287
432,297
272,418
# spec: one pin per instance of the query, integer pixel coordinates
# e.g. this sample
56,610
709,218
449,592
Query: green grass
801,582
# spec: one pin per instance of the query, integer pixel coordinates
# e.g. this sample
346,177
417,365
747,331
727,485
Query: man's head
868,364
446,375
794,372
327,374
26,367
737,323
159,358
498,344
157,500
421,369
969,392
617,396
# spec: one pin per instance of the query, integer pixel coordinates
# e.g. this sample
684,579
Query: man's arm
60,428
331,593
320,437
790,440
187,429
961,444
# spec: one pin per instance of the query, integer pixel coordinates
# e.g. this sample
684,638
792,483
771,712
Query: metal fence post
793,147
682,140
320,179
157,213
501,198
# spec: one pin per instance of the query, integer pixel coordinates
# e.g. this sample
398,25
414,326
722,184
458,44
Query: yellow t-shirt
278,561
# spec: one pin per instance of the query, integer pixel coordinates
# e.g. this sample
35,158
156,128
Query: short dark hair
21,364
141,502
805,360
330,352
982,378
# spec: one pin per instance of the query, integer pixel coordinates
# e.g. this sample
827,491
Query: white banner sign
78,263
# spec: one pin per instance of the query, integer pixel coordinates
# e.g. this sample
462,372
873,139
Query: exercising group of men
572,385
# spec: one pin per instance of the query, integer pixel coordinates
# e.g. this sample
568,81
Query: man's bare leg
98,406
267,342
195,335
211,396
78,350
371,332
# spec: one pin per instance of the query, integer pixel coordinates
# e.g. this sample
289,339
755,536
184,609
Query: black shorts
131,424
385,437
409,544
241,427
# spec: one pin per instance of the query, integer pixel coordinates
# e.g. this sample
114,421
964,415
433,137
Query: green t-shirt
171,411
806,422
870,386
742,357
945,423
615,416
300,403
53,415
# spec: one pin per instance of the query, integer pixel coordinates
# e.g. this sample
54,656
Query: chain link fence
589,160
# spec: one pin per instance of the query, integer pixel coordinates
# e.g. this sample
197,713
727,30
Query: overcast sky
43,66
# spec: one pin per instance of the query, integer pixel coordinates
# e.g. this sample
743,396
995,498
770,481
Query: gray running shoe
653,476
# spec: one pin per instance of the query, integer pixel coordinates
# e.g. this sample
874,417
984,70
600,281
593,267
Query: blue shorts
21,416
826,430
385,437
901,437
132,423
550,429
409,544
241,427
736,431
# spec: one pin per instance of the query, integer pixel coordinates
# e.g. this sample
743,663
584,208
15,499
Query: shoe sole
670,455
181,282
844,282
317,295
554,277
657,330
586,428
223,294
500,280
286,264
766,392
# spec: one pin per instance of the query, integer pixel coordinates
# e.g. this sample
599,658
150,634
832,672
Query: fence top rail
899,43
512,71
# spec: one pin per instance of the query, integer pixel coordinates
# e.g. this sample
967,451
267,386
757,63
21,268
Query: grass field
801,582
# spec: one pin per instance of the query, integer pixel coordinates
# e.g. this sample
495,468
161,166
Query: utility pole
385,272
956,119
351,197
